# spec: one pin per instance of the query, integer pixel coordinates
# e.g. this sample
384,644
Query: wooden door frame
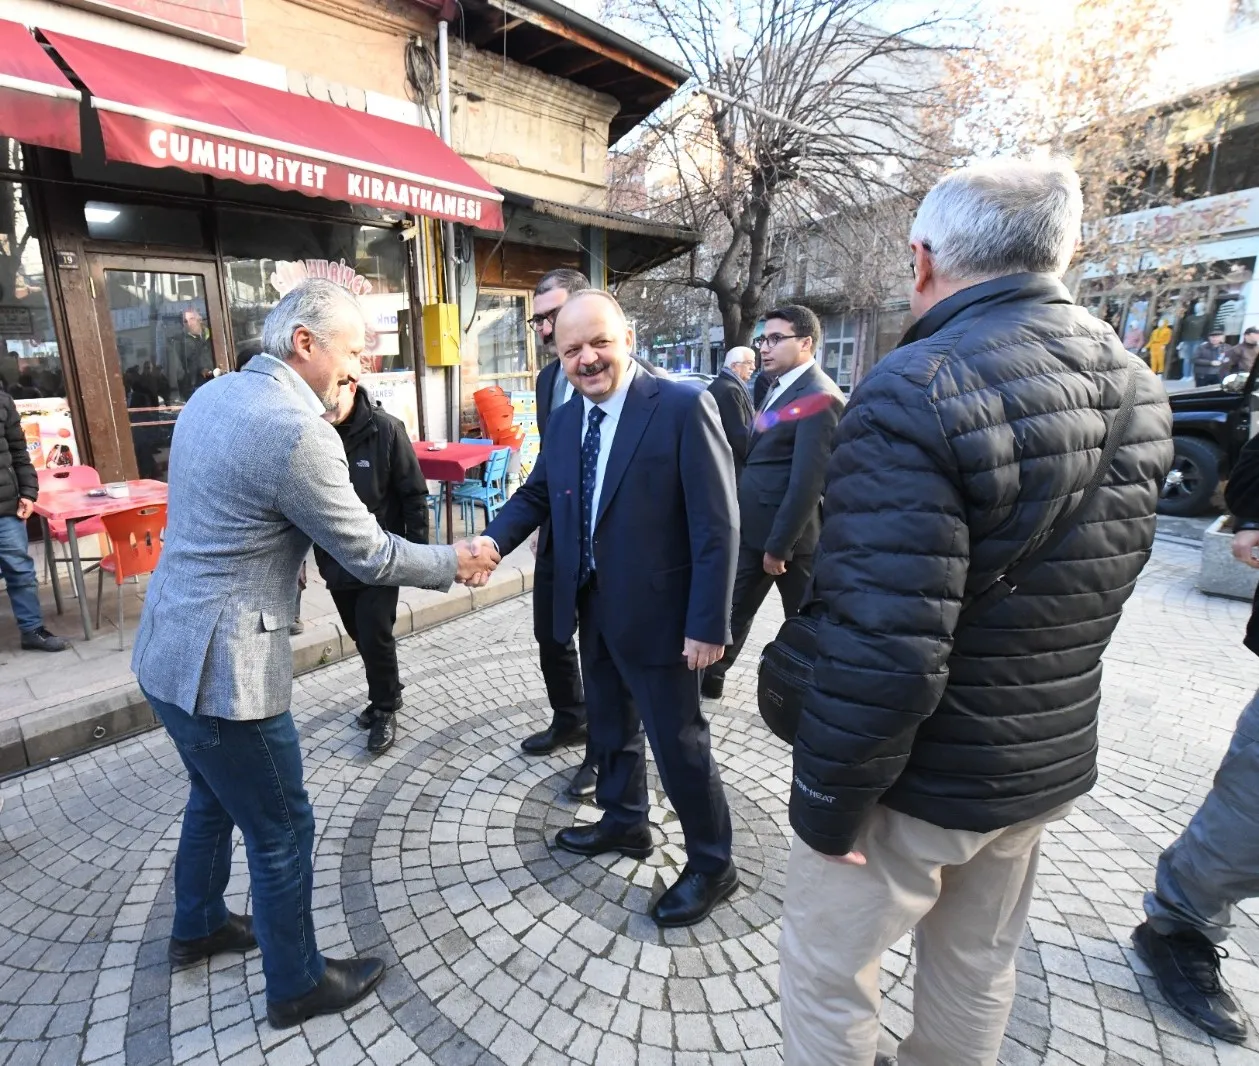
110,366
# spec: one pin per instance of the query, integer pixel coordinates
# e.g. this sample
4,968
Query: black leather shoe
711,688
42,640
380,739
595,840
1186,967
236,934
551,738
583,783
345,982
693,896
368,714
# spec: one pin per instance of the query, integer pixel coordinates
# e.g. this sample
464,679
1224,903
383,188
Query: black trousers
751,586
628,698
368,614
561,669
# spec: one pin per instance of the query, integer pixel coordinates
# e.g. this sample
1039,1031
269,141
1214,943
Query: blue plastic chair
437,501
490,493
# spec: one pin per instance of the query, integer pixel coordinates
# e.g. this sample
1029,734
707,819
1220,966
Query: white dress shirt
304,392
779,388
611,408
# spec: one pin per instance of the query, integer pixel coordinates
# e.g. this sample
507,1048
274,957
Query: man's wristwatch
1242,527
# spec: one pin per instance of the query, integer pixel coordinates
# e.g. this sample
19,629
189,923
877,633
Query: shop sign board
49,432
1211,216
218,22
395,392
16,322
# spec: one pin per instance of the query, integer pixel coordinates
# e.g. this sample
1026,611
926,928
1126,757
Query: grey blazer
255,475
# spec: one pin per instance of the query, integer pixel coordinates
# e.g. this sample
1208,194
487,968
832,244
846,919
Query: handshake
476,560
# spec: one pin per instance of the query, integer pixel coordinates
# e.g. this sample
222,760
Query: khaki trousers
966,894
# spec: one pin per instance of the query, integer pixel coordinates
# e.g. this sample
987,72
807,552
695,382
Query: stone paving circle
437,856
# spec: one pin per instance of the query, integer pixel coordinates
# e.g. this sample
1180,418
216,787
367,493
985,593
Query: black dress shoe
551,738
693,896
235,934
711,688
1186,967
368,713
595,840
583,783
380,739
345,982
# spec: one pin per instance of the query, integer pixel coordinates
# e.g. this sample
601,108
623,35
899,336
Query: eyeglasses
773,340
535,322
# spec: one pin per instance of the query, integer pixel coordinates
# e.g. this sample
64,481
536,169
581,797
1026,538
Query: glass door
161,327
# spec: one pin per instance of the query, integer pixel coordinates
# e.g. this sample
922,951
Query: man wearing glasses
780,491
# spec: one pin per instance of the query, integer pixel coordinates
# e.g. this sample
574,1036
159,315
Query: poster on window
395,392
49,432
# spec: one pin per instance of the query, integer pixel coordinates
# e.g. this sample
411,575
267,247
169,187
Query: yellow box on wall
441,334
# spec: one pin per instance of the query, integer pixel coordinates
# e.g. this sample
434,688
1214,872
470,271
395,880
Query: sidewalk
54,705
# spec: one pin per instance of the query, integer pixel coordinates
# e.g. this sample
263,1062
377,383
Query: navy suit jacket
666,531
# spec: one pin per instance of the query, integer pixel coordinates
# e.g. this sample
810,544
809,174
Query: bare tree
1085,81
814,113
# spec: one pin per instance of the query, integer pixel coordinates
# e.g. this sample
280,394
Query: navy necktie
589,471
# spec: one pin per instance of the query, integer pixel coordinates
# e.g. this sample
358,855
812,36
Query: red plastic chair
77,477
135,540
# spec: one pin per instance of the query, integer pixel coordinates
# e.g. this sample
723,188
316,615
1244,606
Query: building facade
168,171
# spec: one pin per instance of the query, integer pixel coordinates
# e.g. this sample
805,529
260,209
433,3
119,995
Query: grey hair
740,354
1002,216
316,303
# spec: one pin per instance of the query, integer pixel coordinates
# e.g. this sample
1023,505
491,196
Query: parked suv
1209,427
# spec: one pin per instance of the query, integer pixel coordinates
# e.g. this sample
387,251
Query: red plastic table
451,465
73,505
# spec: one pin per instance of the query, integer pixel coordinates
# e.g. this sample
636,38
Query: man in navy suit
638,482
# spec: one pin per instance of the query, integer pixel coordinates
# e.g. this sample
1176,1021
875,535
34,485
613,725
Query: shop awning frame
156,113
38,105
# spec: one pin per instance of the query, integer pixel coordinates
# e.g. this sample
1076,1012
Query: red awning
162,114
38,104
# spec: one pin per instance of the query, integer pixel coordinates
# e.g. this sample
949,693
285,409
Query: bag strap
1013,577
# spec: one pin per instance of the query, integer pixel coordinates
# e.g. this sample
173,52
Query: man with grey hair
734,402
256,475
953,714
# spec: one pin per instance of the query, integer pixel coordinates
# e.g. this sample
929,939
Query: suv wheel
1193,478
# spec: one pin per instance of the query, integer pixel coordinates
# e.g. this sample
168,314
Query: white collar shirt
611,408
784,382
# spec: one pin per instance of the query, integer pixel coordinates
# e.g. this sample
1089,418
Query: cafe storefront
152,213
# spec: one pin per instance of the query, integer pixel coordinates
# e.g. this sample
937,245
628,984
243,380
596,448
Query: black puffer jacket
964,445
385,474
1242,496
18,479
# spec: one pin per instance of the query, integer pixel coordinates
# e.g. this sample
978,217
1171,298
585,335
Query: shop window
30,360
499,337
147,224
839,348
1134,329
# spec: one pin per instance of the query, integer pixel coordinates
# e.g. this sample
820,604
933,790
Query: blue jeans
247,774
18,570
1214,864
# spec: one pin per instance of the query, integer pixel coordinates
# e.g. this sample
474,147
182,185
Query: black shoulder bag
785,673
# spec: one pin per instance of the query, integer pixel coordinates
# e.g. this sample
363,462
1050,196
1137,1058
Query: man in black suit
734,402
560,666
638,482
780,492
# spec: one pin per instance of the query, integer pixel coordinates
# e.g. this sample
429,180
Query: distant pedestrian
386,476
1214,864
930,756
780,490
1241,357
19,489
734,402
1210,360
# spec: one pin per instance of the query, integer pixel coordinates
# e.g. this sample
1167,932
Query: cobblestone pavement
502,951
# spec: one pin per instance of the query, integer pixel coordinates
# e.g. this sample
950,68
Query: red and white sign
159,114
218,22
38,105
49,432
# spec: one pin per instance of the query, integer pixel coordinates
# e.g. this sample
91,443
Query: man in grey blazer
780,489
256,474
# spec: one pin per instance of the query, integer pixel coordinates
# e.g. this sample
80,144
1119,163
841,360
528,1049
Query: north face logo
363,462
